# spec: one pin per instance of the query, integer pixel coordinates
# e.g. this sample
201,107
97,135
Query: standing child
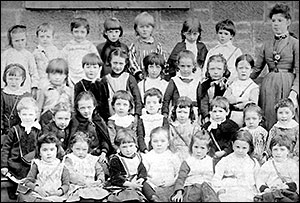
48,178
112,32
243,89
234,179
191,36
196,171
86,172
77,48
17,53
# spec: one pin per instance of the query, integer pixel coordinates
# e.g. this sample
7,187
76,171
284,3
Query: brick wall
251,19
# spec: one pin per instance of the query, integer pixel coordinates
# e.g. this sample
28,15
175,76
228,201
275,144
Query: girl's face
224,36
48,152
128,149
216,70
284,115
218,114
154,71
45,38
62,119
186,66
199,149
240,148
80,149
280,153
160,142
117,64
86,108
91,71
57,79
191,37
152,104
18,40
183,114
252,119
243,70
280,24
14,81
79,33
145,31
28,116
122,107
113,35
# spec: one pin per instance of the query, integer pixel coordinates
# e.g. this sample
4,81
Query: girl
183,126
86,173
48,178
14,76
243,89
215,84
154,64
234,179
161,176
17,53
184,80
252,118
56,91
191,36
196,172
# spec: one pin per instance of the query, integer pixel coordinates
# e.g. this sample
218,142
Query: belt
276,70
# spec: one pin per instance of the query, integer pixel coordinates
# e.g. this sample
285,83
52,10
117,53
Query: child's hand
4,171
177,197
136,183
219,154
41,191
102,158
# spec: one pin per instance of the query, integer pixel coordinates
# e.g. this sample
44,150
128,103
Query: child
122,103
112,32
154,64
220,128
151,119
191,36
243,89
215,85
78,47
145,43
252,118
225,31
48,178
20,140
286,126
234,179
45,50
86,173
183,81
56,91
183,126
119,79
161,176
14,76
280,172
17,53
196,171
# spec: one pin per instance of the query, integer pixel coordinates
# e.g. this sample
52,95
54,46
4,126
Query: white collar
214,124
28,127
227,44
9,91
291,124
123,121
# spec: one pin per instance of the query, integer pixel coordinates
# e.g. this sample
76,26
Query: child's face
186,66
240,148
113,35
14,81
280,153
284,115
18,40
199,149
117,64
243,70
62,119
191,36
57,79
160,142
45,38
80,149
28,116
218,114
86,108
154,71
224,36
152,104
79,34
128,149
182,114
122,107
91,71
48,152
216,70
145,31
252,119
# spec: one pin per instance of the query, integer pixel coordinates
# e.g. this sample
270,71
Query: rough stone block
262,32
12,4
8,19
203,15
174,15
200,4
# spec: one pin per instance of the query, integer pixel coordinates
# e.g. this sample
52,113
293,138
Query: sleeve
142,172
74,177
30,180
228,95
112,132
33,71
295,86
116,171
93,49
104,139
262,177
182,175
272,133
260,63
204,107
133,87
204,69
202,56
198,93
99,172
141,135
254,95
77,89
65,179
168,97
172,60
7,146
219,173
3,65
104,99
41,99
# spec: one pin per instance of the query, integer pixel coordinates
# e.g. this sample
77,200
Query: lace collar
13,92
291,124
28,127
123,121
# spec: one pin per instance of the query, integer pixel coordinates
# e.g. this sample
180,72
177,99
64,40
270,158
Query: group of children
118,123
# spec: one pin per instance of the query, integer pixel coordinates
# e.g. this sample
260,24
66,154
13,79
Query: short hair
183,102
246,136
285,102
49,138
118,51
78,22
91,59
153,92
61,106
200,135
154,58
44,27
186,54
28,102
245,57
85,95
14,30
281,140
58,65
227,25
165,130
125,135
79,136
143,18
219,101
112,23
281,8
14,69
191,25
217,58
252,107
125,95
